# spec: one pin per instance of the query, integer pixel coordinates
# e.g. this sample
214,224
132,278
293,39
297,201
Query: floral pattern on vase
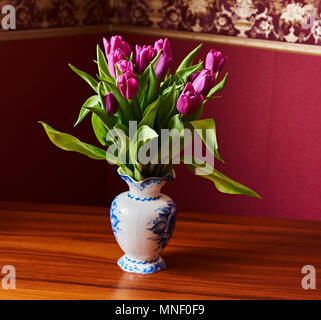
114,218
164,224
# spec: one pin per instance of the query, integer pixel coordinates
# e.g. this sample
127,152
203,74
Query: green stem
137,110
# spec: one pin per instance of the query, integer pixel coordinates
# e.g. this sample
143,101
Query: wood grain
69,252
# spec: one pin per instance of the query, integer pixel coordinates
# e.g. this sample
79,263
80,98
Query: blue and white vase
143,220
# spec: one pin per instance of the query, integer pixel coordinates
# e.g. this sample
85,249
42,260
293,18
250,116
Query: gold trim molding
219,39
52,32
195,36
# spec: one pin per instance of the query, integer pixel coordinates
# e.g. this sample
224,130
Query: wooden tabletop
69,252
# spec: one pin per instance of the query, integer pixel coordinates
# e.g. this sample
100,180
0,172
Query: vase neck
148,189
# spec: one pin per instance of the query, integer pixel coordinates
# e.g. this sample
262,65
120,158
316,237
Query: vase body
143,220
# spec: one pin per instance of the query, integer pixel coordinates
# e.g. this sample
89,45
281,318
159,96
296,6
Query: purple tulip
128,85
110,103
162,66
165,45
126,48
194,76
143,57
124,66
165,59
189,100
112,58
215,61
115,43
204,82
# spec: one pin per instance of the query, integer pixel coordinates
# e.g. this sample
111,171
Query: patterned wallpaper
290,21
43,14
293,21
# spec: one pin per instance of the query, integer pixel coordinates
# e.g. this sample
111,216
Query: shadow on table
194,259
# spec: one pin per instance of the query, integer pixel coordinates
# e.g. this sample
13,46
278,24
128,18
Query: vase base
144,267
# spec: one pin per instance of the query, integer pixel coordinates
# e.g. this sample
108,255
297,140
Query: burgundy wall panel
268,127
37,84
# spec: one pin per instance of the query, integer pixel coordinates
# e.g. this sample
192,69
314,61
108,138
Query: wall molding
52,32
219,39
195,36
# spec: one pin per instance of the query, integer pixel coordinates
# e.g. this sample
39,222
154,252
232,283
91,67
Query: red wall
268,126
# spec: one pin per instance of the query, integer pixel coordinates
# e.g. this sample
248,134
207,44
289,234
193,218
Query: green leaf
151,87
105,79
100,95
102,63
154,61
187,62
118,72
91,101
172,145
222,183
121,141
124,146
149,114
131,58
143,135
69,143
176,123
103,116
207,131
100,129
178,87
143,79
123,105
184,74
89,79
220,86
167,107
166,84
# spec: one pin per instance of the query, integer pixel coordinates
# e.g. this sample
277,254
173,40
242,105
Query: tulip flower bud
110,103
124,65
126,48
194,76
106,46
165,59
143,57
162,66
204,82
189,100
165,45
112,58
115,43
215,61
128,85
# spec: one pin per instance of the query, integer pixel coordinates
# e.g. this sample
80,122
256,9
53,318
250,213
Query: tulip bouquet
136,97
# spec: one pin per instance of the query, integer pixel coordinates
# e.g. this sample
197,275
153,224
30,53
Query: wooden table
69,252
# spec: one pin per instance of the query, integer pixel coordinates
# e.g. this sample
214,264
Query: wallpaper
43,14
289,21
293,21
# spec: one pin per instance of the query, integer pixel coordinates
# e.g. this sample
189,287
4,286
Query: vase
143,220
